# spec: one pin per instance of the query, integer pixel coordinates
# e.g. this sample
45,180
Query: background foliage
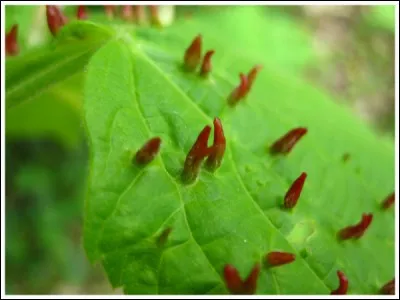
348,51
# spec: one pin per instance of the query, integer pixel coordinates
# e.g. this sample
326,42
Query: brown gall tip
388,288
206,65
163,237
356,231
285,144
239,92
343,284
55,19
251,77
148,151
293,194
192,55
214,160
236,285
276,258
388,201
81,13
12,47
196,155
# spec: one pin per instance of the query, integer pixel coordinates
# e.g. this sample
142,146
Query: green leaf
259,32
30,74
232,216
382,16
55,113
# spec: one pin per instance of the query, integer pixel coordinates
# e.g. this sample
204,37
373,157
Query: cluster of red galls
56,20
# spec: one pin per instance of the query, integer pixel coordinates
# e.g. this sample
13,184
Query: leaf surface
39,69
232,216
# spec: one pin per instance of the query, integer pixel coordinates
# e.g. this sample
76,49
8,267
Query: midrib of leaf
138,105
233,163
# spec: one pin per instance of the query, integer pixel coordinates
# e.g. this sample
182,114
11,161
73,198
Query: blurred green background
346,50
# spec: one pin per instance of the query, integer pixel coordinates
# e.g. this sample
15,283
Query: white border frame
4,3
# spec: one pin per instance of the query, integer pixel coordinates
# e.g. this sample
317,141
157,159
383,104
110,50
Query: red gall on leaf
162,239
388,202
192,55
286,143
196,155
346,157
293,194
127,13
343,284
109,9
239,92
234,283
218,149
12,47
388,288
55,19
356,231
148,151
252,76
81,12
206,65
274,259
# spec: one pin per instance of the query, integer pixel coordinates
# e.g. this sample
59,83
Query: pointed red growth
388,288
215,158
81,13
162,239
252,76
234,283
388,202
279,258
206,65
196,155
239,92
343,284
109,9
148,151
293,194
55,19
286,143
193,54
127,13
12,47
356,231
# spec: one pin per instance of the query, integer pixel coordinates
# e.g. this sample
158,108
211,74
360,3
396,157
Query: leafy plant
169,212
